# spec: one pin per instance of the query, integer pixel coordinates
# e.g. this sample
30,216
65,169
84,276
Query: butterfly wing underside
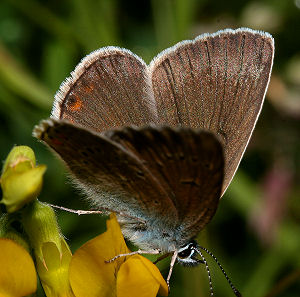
172,175
215,82
110,88
189,165
112,177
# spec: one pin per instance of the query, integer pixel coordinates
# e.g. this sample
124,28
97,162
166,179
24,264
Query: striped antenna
208,272
234,289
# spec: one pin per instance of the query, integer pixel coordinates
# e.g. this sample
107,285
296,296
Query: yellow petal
17,272
89,274
139,277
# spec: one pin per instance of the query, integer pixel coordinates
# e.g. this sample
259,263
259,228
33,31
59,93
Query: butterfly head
187,254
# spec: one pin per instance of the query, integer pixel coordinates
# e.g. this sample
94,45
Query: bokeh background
256,231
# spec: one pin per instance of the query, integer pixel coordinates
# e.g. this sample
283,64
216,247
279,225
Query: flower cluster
37,246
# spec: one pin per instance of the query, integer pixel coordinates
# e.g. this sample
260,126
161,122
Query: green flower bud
21,180
40,224
19,154
52,253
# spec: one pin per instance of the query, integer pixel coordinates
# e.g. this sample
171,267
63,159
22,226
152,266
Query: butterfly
159,144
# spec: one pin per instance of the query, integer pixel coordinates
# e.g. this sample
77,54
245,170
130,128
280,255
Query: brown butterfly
165,176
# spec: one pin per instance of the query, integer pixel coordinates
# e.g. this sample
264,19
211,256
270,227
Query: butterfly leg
174,257
138,252
86,212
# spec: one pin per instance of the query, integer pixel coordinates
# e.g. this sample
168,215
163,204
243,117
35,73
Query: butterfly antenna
234,289
208,273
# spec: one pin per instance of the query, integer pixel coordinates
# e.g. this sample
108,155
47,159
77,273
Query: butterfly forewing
216,82
110,88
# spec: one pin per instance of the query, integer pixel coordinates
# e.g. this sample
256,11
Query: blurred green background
256,231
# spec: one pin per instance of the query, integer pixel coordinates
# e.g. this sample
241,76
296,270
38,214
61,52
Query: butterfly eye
187,255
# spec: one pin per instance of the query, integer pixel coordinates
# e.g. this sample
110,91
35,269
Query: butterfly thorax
153,235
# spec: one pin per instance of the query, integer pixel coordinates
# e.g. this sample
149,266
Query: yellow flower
17,273
21,180
126,276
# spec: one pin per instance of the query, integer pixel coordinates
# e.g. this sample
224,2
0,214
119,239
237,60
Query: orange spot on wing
76,103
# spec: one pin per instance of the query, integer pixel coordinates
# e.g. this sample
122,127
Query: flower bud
21,179
52,253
